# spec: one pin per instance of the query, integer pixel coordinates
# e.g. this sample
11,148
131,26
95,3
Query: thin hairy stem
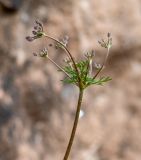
58,66
102,65
69,54
74,125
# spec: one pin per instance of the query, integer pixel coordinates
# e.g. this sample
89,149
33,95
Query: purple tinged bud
37,32
36,27
108,34
39,29
50,45
38,23
99,42
34,32
30,39
92,53
34,54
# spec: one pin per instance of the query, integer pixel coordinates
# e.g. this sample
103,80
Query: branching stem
79,99
77,75
69,54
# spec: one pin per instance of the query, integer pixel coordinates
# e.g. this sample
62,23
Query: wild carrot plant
77,73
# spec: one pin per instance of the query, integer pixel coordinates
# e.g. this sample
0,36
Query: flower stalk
81,91
101,68
68,53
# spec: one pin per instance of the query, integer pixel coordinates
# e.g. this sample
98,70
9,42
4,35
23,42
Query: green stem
102,65
74,125
69,54
58,66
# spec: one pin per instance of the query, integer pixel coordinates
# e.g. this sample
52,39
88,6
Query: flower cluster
90,55
62,42
37,32
42,53
85,72
78,73
108,43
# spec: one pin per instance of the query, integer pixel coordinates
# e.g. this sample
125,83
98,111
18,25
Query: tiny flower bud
35,27
67,60
50,45
108,34
97,66
30,39
44,53
90,55
106,43
34,54
38,23
65,40
39,29
34,32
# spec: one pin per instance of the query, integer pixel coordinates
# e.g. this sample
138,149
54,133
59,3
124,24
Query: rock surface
37,110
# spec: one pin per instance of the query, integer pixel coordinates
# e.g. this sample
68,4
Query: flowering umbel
78,73
43,53
37,32
108,43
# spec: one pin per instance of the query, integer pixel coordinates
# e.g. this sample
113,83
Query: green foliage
97,81
86,79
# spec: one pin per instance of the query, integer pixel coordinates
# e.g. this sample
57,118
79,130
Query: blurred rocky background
37,110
